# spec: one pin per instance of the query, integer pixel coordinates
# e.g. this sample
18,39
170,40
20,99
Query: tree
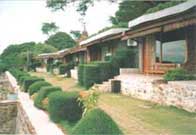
16,55
129,10
61,40
76,34
82,5
49,28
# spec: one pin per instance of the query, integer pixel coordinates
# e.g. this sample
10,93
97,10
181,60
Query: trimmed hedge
95,72
81,74
18,73
30,80
65,68
43,93
178,74
64,106
91,75
96,122
35,87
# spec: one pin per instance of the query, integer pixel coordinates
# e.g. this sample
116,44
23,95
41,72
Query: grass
147,117
135,116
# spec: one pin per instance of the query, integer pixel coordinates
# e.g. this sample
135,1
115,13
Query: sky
21,20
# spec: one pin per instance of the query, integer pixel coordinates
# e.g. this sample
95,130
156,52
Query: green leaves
49,28
61,40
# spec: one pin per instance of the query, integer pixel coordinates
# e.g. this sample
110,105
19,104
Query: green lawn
148,117
135,116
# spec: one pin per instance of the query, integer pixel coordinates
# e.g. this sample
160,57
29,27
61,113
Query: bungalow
166,39
76,55
104,44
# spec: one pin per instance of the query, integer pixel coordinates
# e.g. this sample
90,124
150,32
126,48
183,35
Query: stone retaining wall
13,119
181,94
8,117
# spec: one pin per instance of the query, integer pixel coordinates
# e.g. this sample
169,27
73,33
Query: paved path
39,119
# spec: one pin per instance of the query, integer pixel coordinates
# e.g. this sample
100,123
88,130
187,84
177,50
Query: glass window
173,47
174,52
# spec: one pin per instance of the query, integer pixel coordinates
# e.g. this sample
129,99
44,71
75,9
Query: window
173,47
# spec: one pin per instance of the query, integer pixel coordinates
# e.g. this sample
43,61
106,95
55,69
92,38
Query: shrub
3,67
121,57
43,93
95,72
30,80
105,70
22,78
178,74
64,106
81,74
65,68
91,75
88,99
35,87
96,122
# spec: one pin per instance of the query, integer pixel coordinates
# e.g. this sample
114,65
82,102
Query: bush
35,87
81,74
43,93
91,75
3,67
30,80
22,78
95,72
178,74
18,73
105,70
65,68
96,122
119,59
64,106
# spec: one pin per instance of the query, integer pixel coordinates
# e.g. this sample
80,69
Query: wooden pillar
88,59
161,47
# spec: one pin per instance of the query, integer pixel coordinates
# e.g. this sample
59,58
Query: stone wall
8,117
23,124
13,119
181,94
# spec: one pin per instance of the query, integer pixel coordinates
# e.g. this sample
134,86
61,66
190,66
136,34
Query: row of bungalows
164,40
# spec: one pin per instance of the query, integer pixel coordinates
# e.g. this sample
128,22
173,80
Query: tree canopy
16,55
61,40
76,34
129,10
49,28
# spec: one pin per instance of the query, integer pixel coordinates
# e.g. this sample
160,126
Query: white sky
21,20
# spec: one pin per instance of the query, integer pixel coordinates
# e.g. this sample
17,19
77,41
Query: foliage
96,122
48,28
119,59
91,75
30,80
3,67
81,74
61,40
16,55
18,74
43,93
95,72
129,10
178,74
164,5
82,5
88,99
65,68
35,87
63,106
76,34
